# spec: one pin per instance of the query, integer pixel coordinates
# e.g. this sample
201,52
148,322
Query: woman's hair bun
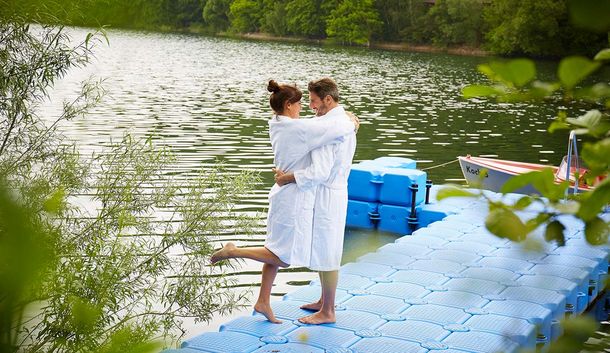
273,86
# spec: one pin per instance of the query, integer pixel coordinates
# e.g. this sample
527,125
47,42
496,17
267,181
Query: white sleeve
318,132
322,160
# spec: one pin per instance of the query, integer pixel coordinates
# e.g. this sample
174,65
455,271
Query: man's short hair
324,87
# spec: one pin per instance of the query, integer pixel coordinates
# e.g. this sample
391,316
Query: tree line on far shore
506,27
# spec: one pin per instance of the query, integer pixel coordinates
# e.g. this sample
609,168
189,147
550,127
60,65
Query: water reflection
206,99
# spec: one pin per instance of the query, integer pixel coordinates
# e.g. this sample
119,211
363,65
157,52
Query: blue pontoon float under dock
450,286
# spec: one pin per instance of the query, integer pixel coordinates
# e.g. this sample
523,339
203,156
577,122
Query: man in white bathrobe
328,174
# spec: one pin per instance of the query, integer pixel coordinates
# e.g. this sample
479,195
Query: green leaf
597,155
593,123
541,89
523,203
590,119
533,223
579,328
593,93
592,15
592,202
569,207
596,231
518,97
574,69
560,122
604,54
55,203
453,191
84,315
517,72
486,70
473,91
522,71
543,181
554,232
558,125
505,224
519,181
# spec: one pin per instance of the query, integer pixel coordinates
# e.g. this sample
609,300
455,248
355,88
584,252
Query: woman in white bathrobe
290,217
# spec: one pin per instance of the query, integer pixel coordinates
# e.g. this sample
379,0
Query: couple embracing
308,203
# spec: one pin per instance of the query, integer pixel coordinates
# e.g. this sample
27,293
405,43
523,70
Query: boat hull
498,173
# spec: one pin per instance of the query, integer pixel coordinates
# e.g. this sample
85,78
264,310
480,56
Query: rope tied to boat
440,165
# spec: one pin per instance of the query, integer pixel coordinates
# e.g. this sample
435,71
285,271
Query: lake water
206,98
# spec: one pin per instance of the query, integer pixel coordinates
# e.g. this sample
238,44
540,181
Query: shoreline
259,36
404,47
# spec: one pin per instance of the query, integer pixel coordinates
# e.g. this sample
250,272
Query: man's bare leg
315,306
327,311
263,304
260,254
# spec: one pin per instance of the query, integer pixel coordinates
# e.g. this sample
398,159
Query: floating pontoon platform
451,287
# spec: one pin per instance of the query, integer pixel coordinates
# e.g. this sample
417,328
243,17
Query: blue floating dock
450,286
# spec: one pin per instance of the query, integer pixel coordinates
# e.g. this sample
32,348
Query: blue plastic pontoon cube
394,219
395,189
364,182
393,162
361,214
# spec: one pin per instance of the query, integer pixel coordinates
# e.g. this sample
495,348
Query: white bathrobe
327,175
290,217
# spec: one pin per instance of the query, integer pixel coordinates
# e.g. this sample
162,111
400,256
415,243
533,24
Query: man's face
318,105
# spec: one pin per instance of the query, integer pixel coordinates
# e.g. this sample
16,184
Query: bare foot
312,306
223,254
266,310
318,318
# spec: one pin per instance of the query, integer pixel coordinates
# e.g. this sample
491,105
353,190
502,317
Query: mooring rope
440,165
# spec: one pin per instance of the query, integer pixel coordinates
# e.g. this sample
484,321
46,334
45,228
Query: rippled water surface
206,99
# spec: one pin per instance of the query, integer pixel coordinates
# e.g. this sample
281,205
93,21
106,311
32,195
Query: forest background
536,28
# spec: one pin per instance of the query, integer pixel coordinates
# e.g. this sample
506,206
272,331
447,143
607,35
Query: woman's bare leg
260,254
263,304
315,306
326,314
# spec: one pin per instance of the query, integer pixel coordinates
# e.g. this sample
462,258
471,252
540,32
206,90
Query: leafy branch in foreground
90,247
515,80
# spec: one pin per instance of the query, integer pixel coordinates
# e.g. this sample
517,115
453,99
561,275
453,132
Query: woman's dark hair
282,94
324,87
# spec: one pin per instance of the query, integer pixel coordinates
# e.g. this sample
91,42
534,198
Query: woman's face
293,110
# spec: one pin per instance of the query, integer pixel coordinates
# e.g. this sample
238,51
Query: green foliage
514,73
403,20
506,224
305,17
181,13
536,27
245,15
574,69
590,14
353,22
453,191
554,233
116,13
98,278
576,333
274,18
543,181
216,14
602,55
515,80
456,22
